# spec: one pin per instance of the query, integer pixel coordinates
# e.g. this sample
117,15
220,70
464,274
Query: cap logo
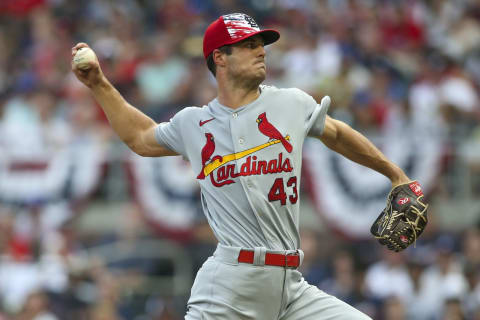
239,24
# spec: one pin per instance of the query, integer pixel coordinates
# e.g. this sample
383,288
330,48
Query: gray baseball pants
225,289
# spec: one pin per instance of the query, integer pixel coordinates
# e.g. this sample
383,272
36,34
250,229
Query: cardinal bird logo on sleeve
271,132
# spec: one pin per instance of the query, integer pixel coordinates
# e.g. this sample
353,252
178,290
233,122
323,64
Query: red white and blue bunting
167,192
350,196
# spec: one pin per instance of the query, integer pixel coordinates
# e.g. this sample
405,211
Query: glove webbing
420,214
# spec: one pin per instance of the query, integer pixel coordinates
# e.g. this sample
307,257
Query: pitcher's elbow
136,147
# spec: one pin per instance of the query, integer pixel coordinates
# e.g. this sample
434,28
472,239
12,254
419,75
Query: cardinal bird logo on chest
271,132
207,152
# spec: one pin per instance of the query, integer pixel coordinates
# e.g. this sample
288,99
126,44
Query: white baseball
83,58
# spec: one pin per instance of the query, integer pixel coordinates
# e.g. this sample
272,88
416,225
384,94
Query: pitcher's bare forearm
341,138
125,119
132,126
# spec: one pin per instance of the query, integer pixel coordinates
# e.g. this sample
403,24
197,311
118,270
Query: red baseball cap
232,28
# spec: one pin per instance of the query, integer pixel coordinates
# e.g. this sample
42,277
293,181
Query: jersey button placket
237,136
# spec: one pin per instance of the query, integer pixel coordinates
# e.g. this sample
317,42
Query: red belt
272,259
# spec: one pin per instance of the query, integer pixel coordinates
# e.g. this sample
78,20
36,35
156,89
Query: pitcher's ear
219,57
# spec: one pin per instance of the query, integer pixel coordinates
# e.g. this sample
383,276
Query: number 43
277,192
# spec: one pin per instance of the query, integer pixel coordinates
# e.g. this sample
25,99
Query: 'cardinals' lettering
251,166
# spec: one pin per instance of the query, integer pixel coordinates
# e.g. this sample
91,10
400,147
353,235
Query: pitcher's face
247,61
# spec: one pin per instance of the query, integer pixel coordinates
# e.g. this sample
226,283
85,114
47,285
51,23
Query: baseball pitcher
245,147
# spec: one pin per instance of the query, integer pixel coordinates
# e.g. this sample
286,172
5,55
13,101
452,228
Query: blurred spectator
105,306
472,300
161,73
471,247
313,267
36,308
342,283
415,305
391,270
460,101
453,310
441,281
394,309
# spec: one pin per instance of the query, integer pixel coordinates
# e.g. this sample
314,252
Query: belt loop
259,256
301,254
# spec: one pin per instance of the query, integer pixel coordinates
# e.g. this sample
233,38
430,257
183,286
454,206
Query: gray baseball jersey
248,162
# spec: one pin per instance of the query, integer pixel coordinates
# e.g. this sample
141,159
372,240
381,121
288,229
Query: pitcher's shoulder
192,113
283,91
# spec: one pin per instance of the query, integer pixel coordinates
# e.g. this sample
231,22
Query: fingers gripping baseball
85,65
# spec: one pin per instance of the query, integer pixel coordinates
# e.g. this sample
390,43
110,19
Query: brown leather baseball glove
404,218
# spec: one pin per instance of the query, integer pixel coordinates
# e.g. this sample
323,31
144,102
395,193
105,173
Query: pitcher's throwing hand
85,66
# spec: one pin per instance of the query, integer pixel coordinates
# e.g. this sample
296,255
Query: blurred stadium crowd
75,242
